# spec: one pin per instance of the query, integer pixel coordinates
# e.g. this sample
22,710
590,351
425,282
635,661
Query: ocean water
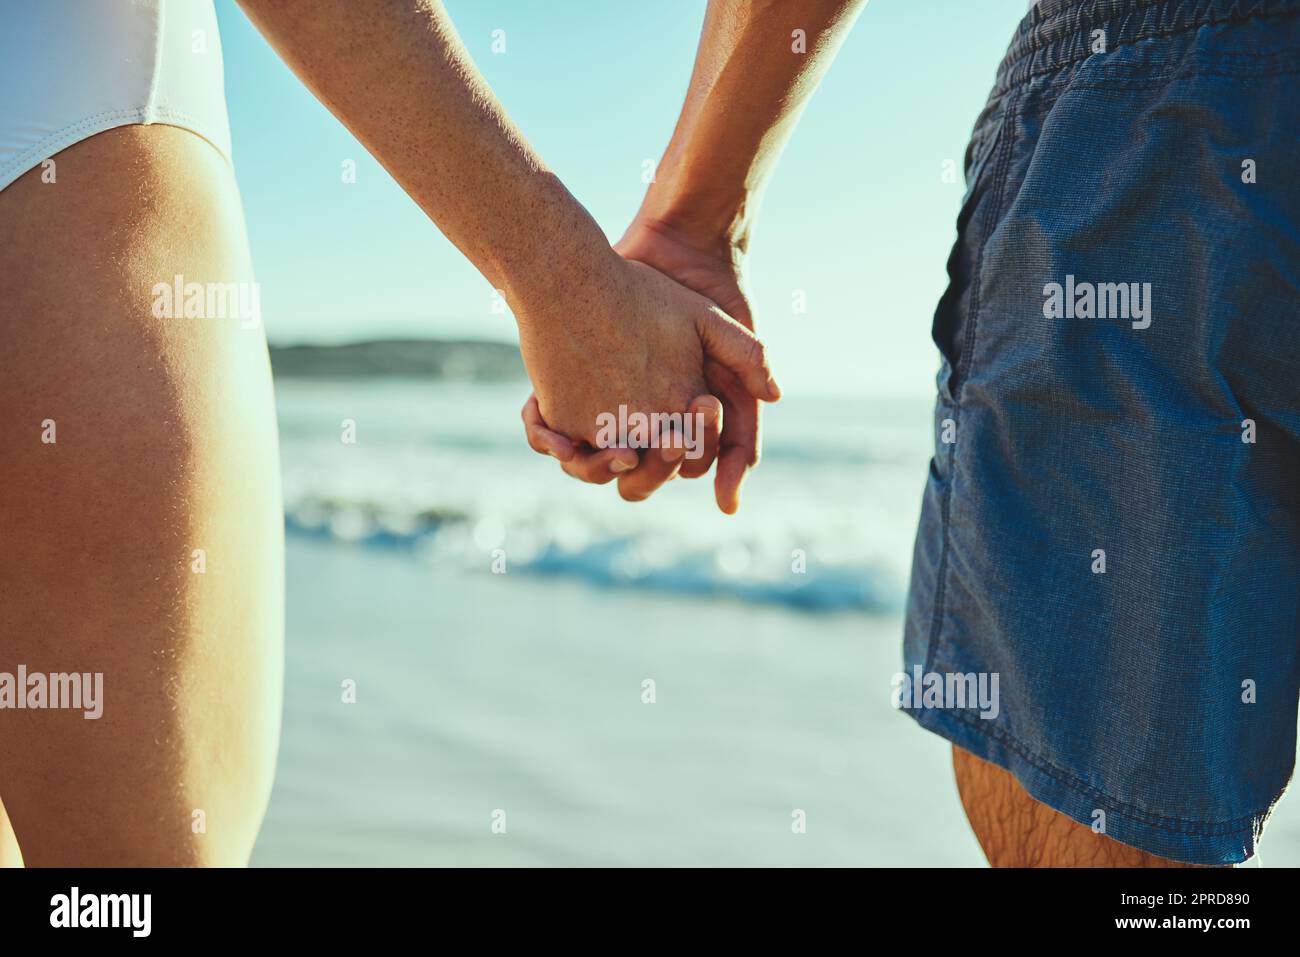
647,684
441,470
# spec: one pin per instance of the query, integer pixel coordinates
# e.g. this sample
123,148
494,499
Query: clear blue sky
858,216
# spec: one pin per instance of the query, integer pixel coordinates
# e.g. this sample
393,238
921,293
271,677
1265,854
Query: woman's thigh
141,533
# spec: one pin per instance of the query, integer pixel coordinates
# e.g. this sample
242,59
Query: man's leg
10,856
1016,831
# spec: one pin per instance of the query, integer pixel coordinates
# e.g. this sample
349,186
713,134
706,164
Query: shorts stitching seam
1001,159
1127,41
1137,814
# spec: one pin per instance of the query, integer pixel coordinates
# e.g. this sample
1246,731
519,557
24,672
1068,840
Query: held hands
680,320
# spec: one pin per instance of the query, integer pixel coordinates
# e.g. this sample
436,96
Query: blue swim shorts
1105,596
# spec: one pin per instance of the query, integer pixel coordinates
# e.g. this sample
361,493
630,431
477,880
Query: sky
856,224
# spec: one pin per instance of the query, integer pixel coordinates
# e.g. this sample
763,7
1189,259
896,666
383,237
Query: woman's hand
715,272
624,334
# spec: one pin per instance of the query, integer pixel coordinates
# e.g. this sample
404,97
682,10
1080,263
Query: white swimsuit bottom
72,68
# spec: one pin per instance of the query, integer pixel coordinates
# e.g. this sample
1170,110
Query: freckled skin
596,331
1014,830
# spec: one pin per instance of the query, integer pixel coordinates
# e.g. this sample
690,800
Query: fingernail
618,465
671,454
773,389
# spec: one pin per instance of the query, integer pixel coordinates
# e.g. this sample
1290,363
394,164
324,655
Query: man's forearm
396,74
753,75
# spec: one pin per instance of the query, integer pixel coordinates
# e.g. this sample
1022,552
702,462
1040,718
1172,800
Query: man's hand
716,272
747,90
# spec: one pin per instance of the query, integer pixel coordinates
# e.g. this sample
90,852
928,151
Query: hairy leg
1016,831
10,856
163,444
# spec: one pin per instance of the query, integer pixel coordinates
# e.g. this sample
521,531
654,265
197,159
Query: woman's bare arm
399,78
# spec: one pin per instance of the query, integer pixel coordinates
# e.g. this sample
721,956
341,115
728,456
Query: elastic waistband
1056,33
